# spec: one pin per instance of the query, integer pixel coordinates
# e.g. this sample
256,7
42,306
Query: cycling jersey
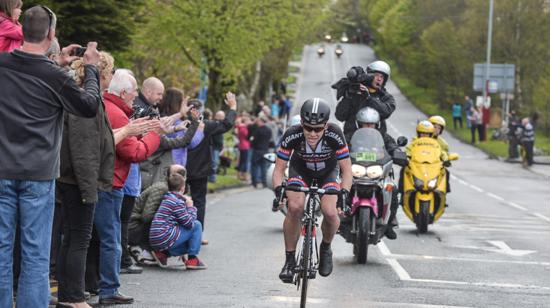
309,162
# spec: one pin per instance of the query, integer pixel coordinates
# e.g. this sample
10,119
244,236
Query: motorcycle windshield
367,147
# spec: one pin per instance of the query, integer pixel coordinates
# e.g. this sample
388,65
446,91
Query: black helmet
315,111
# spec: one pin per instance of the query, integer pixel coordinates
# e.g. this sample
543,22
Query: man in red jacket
118,106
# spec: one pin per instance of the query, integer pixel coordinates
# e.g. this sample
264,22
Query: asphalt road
490,249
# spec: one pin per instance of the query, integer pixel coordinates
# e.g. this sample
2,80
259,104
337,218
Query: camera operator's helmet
439,120
315,111
380,67
425,127
295,120
367,115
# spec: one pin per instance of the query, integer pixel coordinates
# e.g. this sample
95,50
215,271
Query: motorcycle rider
439,125
359,90
317,151
368,117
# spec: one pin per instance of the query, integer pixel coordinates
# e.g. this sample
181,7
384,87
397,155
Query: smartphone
79,51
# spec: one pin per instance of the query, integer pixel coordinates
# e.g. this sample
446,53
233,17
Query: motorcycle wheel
423,218
362,239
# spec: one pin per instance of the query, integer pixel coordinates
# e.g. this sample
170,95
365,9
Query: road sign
501,77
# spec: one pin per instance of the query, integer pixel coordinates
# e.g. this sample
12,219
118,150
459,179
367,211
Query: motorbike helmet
425,127
380,67
315,111
439,120
367,115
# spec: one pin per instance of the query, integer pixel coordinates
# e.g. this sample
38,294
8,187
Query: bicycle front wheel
306,262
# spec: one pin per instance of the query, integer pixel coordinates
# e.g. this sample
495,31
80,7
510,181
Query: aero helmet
315,111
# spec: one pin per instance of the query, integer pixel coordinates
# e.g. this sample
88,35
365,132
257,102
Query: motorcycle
371,193
321,51
339,51
425,183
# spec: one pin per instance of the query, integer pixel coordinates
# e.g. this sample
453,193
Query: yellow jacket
444,148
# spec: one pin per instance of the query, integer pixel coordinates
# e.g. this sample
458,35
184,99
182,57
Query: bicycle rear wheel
306,262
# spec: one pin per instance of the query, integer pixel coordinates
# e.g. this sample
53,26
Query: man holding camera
367,89
148,100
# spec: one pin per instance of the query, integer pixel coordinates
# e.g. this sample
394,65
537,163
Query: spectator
260,143
144,210
199,162
11,31
30,83
217,146
513,140
275,109
132,188
150,97
457,114
155,167
118,101
243,146
475,122
175,230
285,106
527,139
468,109
259,108
87,163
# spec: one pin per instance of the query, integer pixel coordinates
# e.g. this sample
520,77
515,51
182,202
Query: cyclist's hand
278,192
344,200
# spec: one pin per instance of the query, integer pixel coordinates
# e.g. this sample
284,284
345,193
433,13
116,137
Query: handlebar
313,189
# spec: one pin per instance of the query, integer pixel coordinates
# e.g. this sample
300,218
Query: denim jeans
189,241
259,168
215,164
31,203
107,224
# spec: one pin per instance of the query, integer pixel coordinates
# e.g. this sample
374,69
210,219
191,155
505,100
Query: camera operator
359,90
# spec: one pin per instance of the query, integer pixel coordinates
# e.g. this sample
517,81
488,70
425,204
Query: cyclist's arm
279,172
345,170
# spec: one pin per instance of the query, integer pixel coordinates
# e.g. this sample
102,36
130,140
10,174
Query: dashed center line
499,198
475,188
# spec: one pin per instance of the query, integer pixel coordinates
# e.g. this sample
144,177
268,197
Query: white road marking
460,259
397,268
505,249
539,215
463,182
499,198
288,299
517,206
475,188
483,284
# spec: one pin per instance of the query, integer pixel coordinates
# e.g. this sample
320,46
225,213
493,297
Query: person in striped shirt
175,230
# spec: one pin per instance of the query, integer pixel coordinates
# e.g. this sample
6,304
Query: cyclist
317,151
439,126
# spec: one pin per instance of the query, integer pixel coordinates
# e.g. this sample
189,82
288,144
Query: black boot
325,260
390,233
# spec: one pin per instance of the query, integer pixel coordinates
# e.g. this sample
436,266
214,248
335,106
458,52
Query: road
488,250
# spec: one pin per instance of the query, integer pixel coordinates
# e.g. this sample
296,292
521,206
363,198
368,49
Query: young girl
175,230
11,32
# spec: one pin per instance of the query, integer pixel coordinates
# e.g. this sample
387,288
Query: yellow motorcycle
425,183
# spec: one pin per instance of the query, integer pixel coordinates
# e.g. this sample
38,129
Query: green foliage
109,22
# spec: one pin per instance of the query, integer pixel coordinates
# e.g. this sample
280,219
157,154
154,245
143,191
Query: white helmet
380,67
367,115
295,120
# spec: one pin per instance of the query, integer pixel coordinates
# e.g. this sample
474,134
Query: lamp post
488,59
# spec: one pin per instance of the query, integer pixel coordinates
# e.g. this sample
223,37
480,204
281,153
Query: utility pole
488,59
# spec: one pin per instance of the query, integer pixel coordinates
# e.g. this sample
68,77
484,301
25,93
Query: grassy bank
425,100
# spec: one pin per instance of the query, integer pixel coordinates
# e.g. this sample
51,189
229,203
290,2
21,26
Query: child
175,230
11,31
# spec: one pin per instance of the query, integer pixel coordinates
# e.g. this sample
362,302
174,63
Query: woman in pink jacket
11,32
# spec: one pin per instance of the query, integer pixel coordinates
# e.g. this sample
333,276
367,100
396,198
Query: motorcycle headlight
432,183
374,172
358,171
418,183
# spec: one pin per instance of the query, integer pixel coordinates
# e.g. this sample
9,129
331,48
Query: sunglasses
51,16
313,129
